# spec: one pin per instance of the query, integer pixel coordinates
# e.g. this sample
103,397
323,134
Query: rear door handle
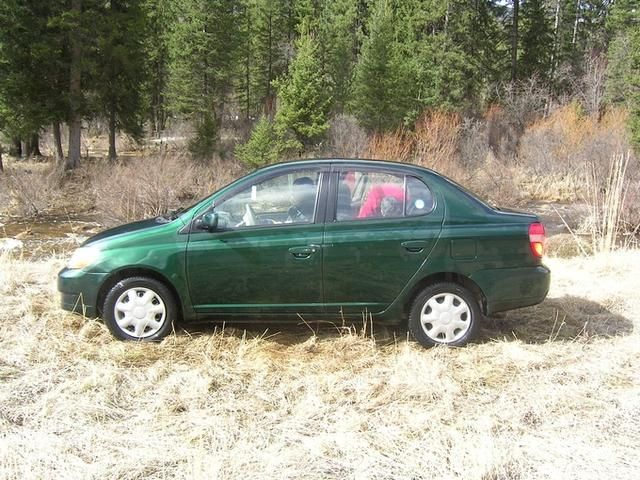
304,252
414,246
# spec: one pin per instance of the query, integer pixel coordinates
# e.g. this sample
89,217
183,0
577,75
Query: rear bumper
79,291
509,288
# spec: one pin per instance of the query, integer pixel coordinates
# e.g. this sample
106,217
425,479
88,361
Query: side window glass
286,199
419,197
369,194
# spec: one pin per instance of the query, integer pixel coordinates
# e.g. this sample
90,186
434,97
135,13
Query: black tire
436,333
160,297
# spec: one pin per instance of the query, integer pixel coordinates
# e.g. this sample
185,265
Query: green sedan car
318,239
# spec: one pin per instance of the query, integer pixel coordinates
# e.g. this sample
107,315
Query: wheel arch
448,277
128,272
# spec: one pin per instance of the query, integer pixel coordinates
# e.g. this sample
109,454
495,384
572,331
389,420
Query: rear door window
366,194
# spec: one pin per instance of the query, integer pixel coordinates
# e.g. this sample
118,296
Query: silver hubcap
140,312
445,318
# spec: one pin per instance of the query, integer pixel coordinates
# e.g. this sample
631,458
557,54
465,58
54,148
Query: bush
29,189
346,138
262,147
203,145
151,186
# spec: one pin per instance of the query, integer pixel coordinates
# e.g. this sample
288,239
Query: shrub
29,189
346,138
396,145
203,144
606,197
436,137
262,147
151,186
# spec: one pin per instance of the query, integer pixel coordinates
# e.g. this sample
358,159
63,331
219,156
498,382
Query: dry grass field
551,391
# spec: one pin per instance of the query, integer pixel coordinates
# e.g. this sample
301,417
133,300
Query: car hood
147,224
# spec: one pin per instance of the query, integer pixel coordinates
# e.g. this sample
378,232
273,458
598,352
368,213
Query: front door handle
304,252
414,246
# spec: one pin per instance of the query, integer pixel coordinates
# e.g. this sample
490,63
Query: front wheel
139,308
444,314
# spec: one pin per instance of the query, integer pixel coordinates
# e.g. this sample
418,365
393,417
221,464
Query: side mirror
209,222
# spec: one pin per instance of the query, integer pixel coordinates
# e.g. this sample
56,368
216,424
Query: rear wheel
139,308
444,314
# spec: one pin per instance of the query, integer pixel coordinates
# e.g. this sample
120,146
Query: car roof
352,162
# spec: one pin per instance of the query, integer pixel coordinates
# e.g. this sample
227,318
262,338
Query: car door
381,226
266,255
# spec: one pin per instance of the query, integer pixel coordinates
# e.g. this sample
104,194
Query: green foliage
207,61
263,54
338,44
203,44
304,96
203,143
377,96
33,65
536,40
623,71
262,147
158,19
119,73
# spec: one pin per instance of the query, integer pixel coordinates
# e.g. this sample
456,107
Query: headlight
83,257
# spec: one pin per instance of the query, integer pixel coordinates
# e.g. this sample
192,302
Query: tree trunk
75,93
555,53
57,140
112,134
1,165
16,148
575,23
34,145
514,41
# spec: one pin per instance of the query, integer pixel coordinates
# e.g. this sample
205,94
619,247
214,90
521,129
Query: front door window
290,198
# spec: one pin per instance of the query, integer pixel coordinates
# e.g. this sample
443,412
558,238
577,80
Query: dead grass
28,188
144,187
551,391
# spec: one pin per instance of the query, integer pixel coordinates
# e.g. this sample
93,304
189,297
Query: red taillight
536,239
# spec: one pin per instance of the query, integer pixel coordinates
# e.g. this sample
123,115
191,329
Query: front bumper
79,291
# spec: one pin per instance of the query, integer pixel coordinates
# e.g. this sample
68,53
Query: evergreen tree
263,147
119,68
304,98
33,69
338,44
536,40
377,99
623,71
159,17
263,55
203,45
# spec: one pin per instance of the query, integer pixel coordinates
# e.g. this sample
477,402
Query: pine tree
623,71
304,98
203,47
338,44
262,147
536,40
119,70
33,69
263,57
376,98
159,17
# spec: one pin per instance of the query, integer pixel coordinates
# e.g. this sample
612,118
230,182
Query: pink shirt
371,205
